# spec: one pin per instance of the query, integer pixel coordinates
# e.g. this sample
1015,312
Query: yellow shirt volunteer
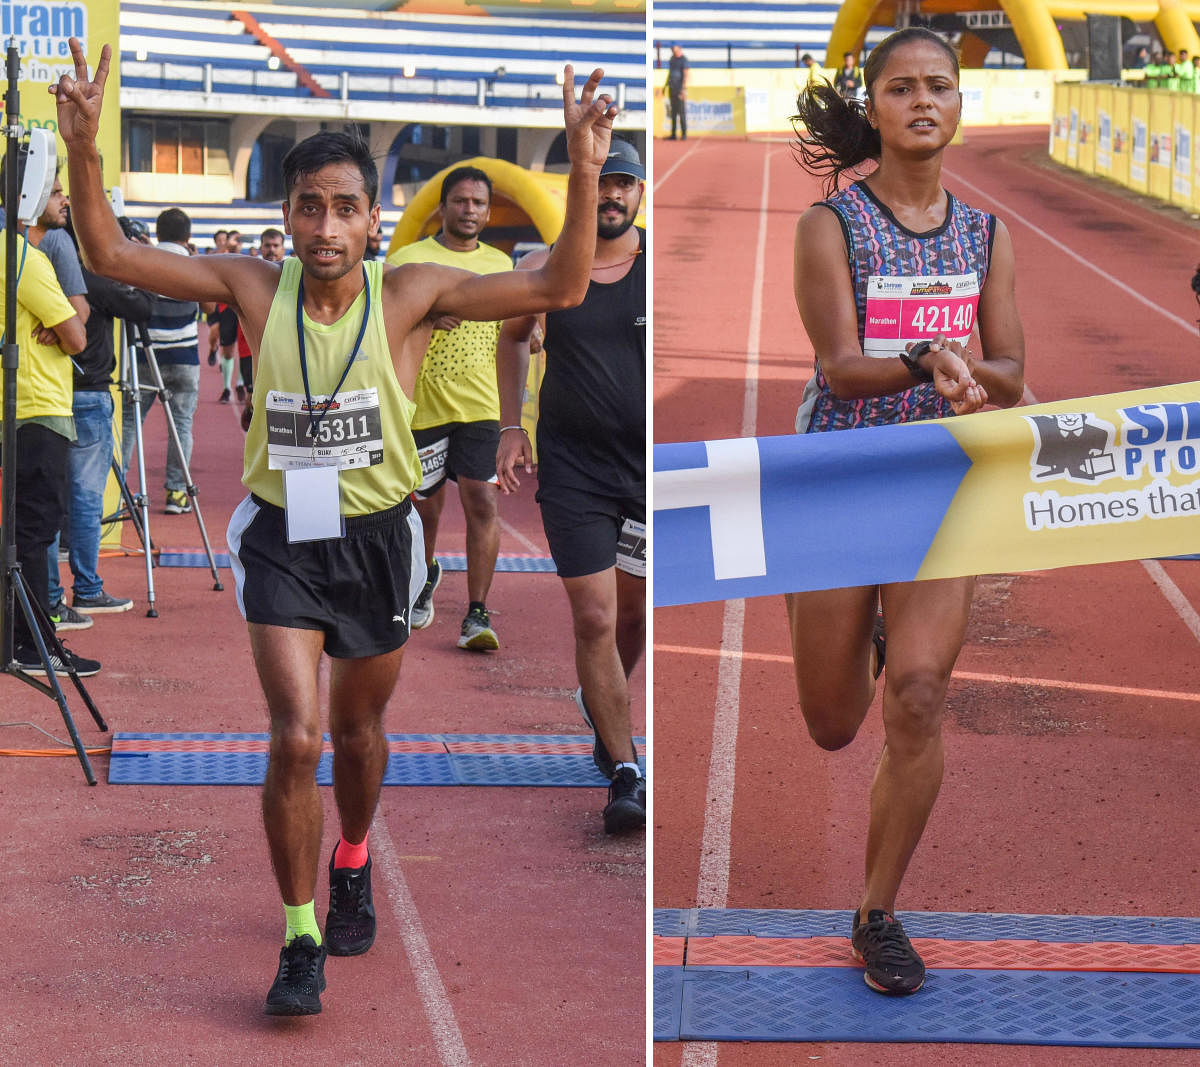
45,383
364,489
457,380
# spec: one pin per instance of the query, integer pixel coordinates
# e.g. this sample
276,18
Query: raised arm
562,280
106,251
512,372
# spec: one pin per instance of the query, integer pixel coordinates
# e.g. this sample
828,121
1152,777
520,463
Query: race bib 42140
907,309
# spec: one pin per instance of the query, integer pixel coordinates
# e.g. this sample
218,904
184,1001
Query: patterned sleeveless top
917,284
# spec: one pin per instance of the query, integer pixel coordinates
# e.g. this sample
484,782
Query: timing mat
756,975
414,759
177,557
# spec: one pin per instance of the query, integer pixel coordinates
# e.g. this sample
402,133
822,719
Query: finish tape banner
1094,480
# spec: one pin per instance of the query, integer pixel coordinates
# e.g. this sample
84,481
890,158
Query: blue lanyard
362,330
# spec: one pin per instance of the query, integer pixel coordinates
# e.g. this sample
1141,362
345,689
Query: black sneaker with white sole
605,764
892,964
66,617
626,808
29,661
350,924
300,980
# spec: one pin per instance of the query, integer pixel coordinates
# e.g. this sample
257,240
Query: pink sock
348,855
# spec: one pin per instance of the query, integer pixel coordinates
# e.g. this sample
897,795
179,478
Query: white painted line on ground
660,179
516,535
712,889
447,1037
1009,213
1174,595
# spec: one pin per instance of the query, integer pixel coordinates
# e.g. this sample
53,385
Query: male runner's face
620,198
466,210
55,215
329,217
271,249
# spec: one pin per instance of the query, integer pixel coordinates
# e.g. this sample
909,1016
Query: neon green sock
227,375
301,919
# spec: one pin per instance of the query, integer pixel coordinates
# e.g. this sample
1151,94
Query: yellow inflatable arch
1033,22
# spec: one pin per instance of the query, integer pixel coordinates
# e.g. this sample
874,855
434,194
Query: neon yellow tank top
365,489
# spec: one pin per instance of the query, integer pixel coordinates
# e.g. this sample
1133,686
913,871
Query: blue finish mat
507,564
241,759
1128,1008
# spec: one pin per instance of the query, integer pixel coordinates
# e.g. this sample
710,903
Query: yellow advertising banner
1087,131
1139,130
42,31
1183,148
1104,130
1060,126
1162,139
1122,138
711,111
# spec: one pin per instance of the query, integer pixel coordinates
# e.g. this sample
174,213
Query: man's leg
183,380
358,694
483,534
91,457
602,673
41,492
287,660
430,510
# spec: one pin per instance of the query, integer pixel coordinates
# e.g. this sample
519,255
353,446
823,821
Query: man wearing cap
591,437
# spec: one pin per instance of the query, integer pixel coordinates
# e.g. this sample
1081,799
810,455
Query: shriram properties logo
42,30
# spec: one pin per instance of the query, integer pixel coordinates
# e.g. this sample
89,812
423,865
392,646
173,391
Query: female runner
897,233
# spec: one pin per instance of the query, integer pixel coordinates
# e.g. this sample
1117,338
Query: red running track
143,921
1070,728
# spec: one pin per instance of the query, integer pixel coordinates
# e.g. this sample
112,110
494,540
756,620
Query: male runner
326,549
457,422
591,436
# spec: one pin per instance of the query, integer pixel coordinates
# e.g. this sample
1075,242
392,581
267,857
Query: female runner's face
915,103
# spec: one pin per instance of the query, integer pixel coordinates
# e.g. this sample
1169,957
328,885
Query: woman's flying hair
833,134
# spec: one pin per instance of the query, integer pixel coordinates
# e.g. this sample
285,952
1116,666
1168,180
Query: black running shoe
300,980
350,924
605,764
892,964
626,808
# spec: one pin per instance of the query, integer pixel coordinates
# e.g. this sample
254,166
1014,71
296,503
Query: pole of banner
14,593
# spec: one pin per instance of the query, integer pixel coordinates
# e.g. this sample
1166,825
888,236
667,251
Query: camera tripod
135,350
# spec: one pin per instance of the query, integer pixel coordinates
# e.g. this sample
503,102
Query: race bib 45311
348,434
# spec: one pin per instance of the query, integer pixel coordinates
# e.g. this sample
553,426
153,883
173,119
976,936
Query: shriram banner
42,32
1094,480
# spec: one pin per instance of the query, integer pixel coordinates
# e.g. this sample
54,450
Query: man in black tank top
591,437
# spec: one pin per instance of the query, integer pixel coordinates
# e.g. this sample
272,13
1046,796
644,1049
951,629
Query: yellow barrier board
1121,136
1073,96
1087,130
1183,122
1060,126
1161,140
1104,131
1139,125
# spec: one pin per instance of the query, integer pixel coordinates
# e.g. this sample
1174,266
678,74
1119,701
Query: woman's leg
833,657
926,623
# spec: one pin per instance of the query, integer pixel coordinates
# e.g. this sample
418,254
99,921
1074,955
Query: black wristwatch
912,361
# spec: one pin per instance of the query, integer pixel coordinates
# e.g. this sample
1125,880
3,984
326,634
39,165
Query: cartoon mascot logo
1074,446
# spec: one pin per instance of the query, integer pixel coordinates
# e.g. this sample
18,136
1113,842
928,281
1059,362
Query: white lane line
1009,212
713,886
660,179
1174,595
712,889
516,535
447,1037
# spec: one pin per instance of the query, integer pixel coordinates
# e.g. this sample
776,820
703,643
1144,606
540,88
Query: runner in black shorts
591,436
338,343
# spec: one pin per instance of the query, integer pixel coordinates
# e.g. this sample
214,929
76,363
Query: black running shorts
357,589
583,529
458,449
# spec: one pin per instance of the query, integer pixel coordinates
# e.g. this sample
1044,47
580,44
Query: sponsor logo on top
1160,442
